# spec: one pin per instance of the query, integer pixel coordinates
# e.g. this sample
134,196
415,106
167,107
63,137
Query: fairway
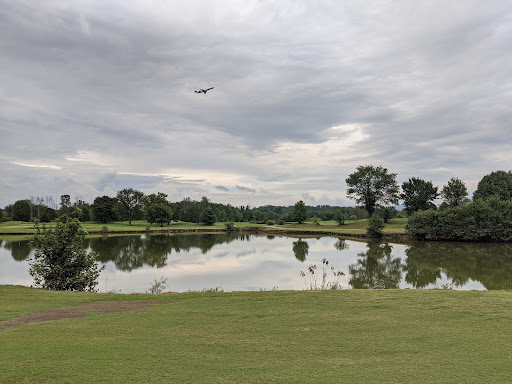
262,337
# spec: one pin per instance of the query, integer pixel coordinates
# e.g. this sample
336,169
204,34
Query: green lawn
356,227
352,336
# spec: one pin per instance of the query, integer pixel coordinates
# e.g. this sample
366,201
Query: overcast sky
97,96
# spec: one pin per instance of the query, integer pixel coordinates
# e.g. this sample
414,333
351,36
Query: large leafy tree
455,192
60,261
130,204
300,212
498,183
21,210
372,187
418,194
103,209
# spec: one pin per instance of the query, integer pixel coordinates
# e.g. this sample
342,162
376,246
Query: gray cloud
245,189
99,97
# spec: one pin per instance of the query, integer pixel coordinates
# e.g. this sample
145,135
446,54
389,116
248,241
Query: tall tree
372,187
130,204
65,204
300,212
497,183
455,192
21,210
418,194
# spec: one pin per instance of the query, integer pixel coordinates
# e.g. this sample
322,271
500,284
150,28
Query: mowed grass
352,336
118,226
357,227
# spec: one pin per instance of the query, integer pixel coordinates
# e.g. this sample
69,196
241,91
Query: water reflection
376,265
133,252
300,249
490,264
248,262
20,250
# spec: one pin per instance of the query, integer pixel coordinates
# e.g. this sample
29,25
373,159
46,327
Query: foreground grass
358,227
282,336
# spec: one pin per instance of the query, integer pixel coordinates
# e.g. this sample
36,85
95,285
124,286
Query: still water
244,262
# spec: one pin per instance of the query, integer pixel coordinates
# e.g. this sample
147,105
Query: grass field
352,336
357,227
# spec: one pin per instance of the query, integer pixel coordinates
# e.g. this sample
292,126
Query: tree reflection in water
423,263
300,249
488,263
132,252
20,250
375,265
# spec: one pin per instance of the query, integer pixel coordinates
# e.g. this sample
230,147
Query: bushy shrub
271,222
482,220
60,262
375,227
229,226
352,217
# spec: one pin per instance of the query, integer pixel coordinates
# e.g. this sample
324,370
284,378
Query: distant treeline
134,205
485,217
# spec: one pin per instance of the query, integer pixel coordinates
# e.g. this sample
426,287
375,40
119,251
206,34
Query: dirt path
77,311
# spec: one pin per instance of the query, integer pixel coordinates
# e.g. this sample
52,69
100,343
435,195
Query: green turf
350,227
352,336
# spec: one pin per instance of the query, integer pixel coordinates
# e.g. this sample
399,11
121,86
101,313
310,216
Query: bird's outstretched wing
206,90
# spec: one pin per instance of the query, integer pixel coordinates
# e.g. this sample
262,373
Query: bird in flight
204,90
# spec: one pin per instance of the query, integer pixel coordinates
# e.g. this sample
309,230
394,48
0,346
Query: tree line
374,189
130,204
487,217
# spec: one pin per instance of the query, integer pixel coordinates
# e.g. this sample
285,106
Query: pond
242,262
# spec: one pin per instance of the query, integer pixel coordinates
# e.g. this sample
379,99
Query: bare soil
77,311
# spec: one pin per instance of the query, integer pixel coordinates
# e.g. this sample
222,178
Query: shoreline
248,230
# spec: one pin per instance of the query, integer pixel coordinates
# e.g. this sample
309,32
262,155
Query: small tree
387,213
418,194
300,212
159,213
455,192
60,262
339,218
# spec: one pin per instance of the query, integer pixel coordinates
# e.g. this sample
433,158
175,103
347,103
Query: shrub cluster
482,220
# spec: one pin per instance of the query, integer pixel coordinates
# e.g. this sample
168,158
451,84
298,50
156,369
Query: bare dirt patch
77,311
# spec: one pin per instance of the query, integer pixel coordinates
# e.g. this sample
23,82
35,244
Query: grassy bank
351,227
282,336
